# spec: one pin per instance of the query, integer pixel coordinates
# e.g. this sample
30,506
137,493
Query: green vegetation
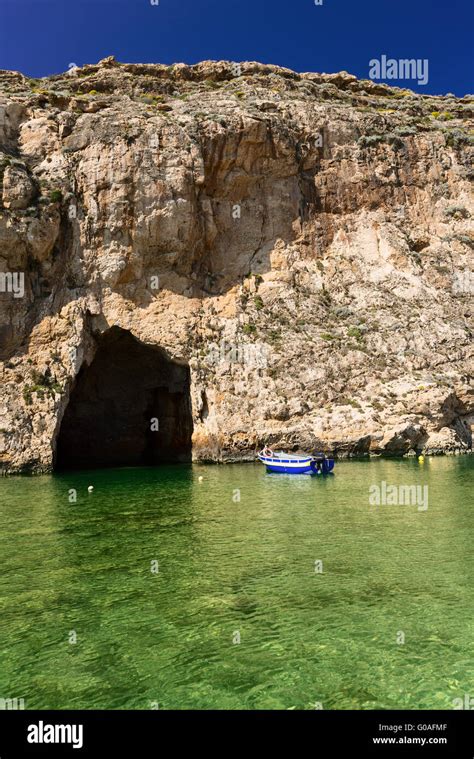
405,131
258,302
458,212
404,93
43,384
27,395
455,138
375,139
354,332
249,329
442,115
257,277
355,404
368,141
152,98
324,297
244,297
274,337
55,196
345,401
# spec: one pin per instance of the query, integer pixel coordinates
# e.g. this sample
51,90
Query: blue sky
40,37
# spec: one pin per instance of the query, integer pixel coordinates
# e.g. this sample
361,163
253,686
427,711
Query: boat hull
297,465
283,469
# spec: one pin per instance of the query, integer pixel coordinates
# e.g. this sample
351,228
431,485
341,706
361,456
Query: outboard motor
321,464
328,465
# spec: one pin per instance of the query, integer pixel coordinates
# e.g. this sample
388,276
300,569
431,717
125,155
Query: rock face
294,248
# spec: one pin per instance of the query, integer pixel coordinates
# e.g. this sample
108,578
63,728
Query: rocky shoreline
34,471
297,248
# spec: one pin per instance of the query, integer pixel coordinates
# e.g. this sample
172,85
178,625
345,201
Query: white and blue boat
292,463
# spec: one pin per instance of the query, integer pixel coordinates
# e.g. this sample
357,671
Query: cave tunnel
130,407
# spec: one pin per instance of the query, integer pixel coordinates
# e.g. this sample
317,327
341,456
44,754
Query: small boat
291,463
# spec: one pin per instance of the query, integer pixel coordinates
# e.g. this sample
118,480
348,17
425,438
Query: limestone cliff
299,243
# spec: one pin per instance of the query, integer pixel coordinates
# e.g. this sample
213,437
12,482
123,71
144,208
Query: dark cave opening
130,407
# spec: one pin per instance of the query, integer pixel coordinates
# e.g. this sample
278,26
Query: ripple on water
232,571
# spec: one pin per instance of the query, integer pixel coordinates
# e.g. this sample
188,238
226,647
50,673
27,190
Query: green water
228,567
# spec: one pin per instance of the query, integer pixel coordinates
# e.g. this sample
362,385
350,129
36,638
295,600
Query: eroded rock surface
303,242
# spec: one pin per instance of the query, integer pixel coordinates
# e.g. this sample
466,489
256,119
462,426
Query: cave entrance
130,407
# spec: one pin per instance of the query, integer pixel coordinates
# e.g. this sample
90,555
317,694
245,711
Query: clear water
228,567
